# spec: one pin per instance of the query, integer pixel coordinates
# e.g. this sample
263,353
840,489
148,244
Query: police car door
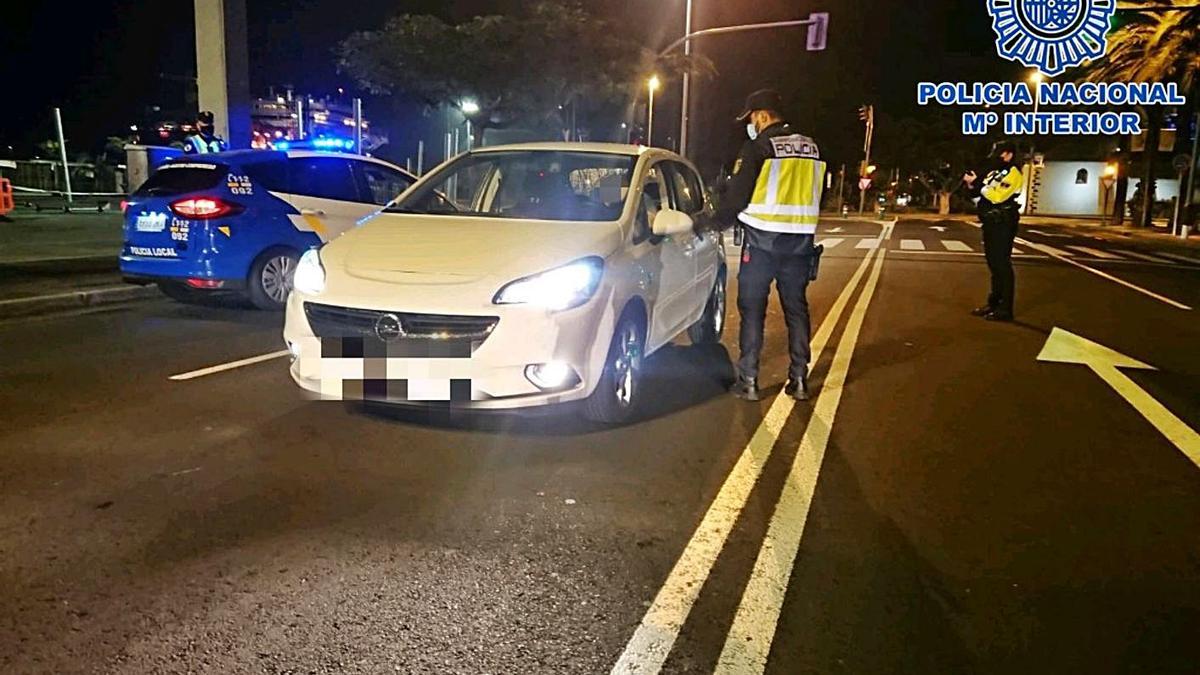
666,262
324,189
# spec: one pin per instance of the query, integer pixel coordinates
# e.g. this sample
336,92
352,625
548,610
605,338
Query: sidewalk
1091,226
56,261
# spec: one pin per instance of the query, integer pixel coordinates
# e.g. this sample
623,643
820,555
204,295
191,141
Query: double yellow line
748,643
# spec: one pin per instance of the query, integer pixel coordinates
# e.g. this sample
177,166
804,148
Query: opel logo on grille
389,328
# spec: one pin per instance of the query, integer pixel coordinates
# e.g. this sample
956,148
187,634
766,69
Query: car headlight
310,275
557,289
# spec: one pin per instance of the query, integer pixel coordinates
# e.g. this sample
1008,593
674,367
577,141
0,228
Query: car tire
616,396
711,326
270,279
179,292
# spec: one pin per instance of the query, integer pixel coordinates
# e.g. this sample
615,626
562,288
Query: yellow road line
748,643
647,650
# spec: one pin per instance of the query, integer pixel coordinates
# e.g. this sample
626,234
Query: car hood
414,249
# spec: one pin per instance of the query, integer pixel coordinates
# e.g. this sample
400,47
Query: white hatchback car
511,277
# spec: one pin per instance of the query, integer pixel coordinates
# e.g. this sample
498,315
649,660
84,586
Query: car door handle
312,212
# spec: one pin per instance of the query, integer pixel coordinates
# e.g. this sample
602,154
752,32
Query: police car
239,220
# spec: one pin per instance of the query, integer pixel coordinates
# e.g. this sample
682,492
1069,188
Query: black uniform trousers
999,232
790,272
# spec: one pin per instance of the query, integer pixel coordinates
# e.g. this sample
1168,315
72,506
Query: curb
47,304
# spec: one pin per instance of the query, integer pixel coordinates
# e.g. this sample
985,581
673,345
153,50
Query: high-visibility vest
1002,185
787,197
202,147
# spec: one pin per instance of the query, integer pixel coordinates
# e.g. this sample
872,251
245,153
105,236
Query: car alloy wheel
627,364
276,277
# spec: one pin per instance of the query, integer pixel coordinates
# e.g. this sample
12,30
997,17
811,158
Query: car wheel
271,279
711,326
179,292
617,393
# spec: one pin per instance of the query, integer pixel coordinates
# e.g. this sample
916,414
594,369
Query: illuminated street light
652,84
469,107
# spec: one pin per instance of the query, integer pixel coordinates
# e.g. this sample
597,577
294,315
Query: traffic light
866,170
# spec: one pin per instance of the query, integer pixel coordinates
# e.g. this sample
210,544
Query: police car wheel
711,326
271,279
619,389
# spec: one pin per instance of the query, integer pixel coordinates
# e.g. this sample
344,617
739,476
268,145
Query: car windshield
535,185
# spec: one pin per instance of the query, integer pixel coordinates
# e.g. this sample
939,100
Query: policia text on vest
775,192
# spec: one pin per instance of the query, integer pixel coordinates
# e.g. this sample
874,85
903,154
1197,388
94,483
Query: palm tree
1160,42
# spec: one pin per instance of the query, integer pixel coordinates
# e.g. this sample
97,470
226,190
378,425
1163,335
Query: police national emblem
1051,35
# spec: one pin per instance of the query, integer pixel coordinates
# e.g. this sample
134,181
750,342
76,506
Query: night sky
103,61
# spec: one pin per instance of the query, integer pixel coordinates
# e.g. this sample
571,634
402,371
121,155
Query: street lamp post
1036,77
1107,180
652,84
687,83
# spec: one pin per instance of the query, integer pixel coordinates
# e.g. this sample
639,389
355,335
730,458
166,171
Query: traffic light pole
818,31
864,175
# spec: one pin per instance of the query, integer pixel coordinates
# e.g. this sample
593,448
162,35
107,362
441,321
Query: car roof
606,148
256,156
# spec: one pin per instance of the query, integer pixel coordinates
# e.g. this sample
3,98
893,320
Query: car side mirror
670,222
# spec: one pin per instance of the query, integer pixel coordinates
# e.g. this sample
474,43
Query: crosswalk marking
1181,258
911,245
868,244
1141,256
1095,252
830,243
1046,248
955,245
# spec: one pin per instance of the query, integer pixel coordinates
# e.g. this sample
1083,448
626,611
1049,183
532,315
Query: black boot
982,311
797,389
746,388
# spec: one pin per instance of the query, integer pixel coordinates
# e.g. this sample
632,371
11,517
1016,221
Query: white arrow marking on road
1066,347
835,230
939,228
228,366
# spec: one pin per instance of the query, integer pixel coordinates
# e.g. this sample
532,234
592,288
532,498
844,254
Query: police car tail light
204,208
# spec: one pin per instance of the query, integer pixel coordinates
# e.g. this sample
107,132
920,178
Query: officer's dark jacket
740,190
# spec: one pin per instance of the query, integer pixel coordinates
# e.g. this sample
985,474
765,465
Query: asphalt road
947,504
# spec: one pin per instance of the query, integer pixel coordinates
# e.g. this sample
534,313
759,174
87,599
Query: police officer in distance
775,193
1000,215
205,139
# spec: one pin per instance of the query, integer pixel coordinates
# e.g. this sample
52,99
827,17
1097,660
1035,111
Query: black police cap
763,99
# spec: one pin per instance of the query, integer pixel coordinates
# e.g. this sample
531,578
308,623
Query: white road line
975,254
1094,252
1054,253
1181,258
748,644
912,245
656,634
956,245
830,243
1050,250
1143,256
213,370
868,244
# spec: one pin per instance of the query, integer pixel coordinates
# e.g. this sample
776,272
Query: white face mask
752,131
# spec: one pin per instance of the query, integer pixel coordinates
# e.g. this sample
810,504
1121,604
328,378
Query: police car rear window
177,180
271,175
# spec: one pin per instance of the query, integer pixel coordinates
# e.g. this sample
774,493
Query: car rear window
271,175
178,179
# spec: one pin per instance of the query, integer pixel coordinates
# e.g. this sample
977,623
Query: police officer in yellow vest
1000,214
205,139
775,193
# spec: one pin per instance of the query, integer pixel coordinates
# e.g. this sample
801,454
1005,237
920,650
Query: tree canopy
521,68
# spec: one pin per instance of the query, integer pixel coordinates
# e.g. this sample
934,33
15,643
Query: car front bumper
491,375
